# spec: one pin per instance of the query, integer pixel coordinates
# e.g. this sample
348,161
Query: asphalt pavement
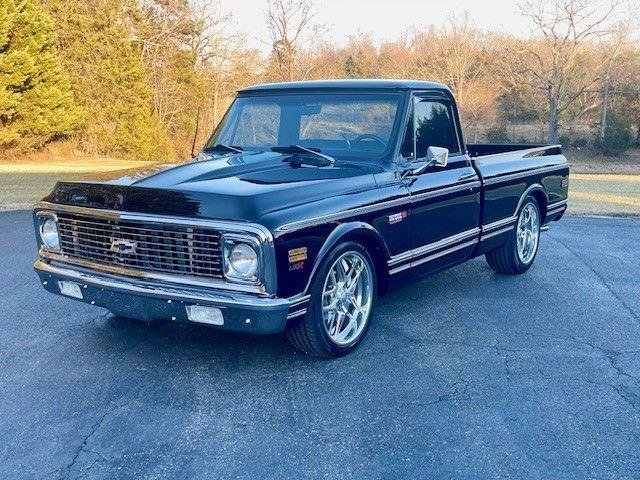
467,374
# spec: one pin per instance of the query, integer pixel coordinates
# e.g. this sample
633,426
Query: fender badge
397,217
297,255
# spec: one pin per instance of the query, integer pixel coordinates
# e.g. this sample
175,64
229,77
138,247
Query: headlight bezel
43,218
228,243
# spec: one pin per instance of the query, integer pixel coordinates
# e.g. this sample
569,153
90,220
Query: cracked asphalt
467,374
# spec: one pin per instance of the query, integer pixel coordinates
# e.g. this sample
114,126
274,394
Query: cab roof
348,84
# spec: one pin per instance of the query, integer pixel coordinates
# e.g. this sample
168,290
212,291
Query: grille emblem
121,245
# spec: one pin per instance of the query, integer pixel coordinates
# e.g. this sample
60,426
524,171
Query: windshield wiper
221,147
322,160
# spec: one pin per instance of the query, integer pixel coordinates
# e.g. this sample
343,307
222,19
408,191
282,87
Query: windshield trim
386,157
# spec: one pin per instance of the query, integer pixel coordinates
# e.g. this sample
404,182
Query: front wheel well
377,251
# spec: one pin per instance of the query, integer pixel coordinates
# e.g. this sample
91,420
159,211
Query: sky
384,19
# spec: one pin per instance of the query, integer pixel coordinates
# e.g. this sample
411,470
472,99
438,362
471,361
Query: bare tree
457,55
559,63
291,24
193,64
614,68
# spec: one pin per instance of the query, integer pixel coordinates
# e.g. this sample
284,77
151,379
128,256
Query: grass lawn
605,194
25,183
22,190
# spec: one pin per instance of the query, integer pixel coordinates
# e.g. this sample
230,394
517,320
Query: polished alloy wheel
347,297
528,233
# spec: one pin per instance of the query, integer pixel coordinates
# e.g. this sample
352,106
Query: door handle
467,176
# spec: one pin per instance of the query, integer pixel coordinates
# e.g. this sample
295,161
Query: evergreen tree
100,50
351,68
36,103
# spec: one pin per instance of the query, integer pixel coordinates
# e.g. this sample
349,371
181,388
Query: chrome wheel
347,297
528,233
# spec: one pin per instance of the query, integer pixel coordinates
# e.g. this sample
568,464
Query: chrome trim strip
262,234
296,314
430,247
557,210
444,191
499,223
176,280
551,210
407,200
553,206
298,300
524,153
221,299
293,226
498,232
526,173
432,257
535,186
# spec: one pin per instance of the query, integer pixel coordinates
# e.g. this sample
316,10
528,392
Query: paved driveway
466,374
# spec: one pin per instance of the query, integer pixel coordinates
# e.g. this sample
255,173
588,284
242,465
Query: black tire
307,334
505,259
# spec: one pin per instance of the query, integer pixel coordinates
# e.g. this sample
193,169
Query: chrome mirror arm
437,156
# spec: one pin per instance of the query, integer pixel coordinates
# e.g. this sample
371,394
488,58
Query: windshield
349,125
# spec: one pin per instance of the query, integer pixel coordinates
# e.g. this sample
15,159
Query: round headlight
242,262
49,233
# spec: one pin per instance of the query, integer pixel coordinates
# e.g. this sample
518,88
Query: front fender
353,231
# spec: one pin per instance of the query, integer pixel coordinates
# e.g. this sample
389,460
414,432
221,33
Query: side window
433,127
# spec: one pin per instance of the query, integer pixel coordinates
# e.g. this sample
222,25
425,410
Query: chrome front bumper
145,300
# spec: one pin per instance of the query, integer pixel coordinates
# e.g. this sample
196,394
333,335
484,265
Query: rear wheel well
541,199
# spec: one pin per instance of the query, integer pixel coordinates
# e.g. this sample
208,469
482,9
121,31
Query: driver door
445,200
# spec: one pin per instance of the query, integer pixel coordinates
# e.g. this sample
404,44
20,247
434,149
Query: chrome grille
160,248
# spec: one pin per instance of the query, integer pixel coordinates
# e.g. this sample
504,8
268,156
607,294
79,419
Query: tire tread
504,258
303,333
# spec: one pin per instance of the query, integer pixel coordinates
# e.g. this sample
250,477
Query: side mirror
437,156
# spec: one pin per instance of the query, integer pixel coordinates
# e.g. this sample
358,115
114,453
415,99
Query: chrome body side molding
556,207
429,258
488,235
297,313
407,200
298,300
523,174
499,223
431,247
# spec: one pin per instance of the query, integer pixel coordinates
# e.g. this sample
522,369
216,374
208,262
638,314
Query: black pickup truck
309,200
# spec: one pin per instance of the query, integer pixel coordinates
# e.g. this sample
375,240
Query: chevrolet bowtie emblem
121,245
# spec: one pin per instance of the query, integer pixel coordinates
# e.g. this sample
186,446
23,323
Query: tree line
149,79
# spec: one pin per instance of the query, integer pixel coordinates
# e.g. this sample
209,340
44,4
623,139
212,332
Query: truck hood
232,187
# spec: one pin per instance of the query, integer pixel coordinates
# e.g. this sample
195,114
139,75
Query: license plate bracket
70,289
